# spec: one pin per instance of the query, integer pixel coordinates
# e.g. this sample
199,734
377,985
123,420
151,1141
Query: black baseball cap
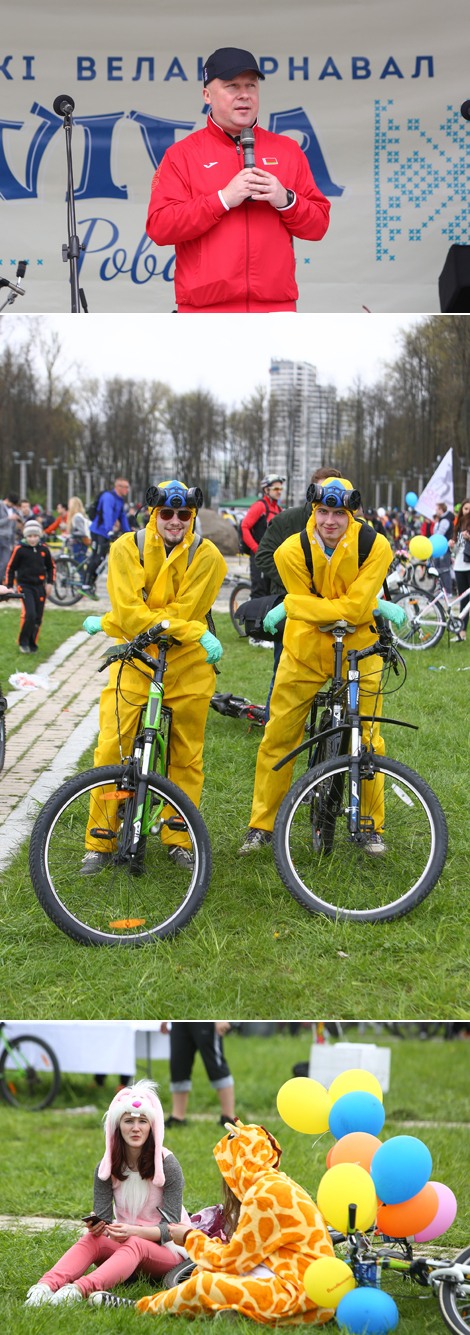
227,62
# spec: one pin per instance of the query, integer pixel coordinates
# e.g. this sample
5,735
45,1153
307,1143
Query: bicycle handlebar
138,646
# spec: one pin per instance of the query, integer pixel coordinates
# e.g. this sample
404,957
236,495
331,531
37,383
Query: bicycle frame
448,603
367,1264
20,1066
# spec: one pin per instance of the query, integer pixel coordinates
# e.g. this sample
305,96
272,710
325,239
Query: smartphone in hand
91,1219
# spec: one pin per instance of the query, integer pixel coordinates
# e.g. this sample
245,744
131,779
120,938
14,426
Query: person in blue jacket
110,516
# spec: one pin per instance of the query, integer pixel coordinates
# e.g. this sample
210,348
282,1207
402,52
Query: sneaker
94,862
103,1299
175,1121
37,1294
178,1274
375,844
181,857
254,840
33,649
69,1293
24,648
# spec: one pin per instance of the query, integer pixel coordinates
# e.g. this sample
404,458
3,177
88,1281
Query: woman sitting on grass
145,1182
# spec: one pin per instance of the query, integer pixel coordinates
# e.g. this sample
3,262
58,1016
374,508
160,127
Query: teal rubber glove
92,625
391,611
212,646
271,619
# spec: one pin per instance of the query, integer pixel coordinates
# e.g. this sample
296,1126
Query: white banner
439,488
371,91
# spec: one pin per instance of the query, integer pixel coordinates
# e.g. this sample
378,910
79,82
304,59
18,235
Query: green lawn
50,1161
252,951
57,626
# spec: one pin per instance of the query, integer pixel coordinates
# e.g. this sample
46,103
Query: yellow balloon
305,1105
353,1080
420,547
327,1280
343,1185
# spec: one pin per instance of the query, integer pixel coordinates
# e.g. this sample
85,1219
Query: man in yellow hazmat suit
340,589
176,579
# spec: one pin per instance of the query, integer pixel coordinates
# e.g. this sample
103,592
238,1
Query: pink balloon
447,1210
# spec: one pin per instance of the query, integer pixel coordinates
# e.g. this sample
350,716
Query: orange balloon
410,1217
357,1147
328,1157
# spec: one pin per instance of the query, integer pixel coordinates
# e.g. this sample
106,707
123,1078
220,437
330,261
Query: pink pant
115,1261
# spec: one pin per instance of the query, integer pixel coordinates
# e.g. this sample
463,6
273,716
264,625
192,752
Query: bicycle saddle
340,626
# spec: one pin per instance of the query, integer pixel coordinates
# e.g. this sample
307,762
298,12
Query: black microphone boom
63,105
247,140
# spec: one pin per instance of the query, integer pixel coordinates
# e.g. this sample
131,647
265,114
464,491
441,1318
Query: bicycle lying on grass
324,824
29,1072
140,895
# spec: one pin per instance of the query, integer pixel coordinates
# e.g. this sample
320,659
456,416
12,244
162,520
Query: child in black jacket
32,566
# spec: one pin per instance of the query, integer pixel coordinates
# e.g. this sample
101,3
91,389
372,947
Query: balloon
357,1111
343,1185
358,1147
421,548
354,1079
367,1310
304,1105
327,1280
439,544
411,499
445,1216
328,1157
404,1221
400,1168
381,512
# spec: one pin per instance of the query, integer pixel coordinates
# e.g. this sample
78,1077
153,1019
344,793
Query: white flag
439,488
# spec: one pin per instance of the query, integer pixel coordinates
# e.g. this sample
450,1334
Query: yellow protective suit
182,596
280,1231
347,593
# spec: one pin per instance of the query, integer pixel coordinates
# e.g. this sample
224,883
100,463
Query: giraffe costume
260,1271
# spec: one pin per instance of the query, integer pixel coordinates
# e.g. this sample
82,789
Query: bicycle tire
3,739
456,1317
65,592
236,602
45,1057
324,809
428,633
116,913
355,876
418,1029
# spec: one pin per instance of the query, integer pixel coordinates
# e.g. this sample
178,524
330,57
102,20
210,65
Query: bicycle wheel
31,1078
240,594
454,1302
113,907
430,628
66,589
347,882
327,798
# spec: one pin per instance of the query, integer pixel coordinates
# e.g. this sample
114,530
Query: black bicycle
67,588
359,837
29,1072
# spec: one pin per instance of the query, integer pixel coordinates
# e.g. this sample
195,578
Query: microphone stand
71,249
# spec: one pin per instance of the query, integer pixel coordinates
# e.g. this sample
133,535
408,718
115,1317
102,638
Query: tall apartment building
303,424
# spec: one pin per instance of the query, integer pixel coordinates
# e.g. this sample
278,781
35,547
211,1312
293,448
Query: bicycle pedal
176,823
96,833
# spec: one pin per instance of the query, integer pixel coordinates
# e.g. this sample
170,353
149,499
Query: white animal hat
137,1100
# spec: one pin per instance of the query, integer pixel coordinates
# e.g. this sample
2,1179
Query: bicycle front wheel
240,594
30,1074
114,905
425,633
338,876
454,1299
66,589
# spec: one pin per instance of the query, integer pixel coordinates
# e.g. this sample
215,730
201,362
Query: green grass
252,951
50,1161
57,626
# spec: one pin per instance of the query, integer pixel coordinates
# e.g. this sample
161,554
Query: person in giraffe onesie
275,1233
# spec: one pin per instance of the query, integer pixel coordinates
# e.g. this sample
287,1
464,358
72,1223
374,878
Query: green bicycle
139,894
29,1072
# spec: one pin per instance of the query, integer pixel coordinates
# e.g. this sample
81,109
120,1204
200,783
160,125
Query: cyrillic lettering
141,61
268,64
330,70
28,60
360,67
115,69
297,119
175,71
430,65
10,188
4,68
157,133
96,180
391,68
89,250
293,68
200,69
86,67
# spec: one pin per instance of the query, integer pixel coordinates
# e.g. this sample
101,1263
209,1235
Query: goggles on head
176,495
334,496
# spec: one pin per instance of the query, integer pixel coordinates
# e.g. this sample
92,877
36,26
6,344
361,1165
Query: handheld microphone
20,291
63,105
247,141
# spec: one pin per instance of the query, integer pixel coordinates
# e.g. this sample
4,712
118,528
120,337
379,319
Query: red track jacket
244,256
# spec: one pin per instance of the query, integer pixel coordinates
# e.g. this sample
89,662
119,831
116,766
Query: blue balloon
356,1111
367,1312
400,1168
439,544
411,499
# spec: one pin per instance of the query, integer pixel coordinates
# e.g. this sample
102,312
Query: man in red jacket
255,524
232,226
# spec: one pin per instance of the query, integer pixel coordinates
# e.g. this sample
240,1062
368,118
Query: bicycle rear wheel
66,589
114,907
30,1078
240,594
454,1302
343,880
430,628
